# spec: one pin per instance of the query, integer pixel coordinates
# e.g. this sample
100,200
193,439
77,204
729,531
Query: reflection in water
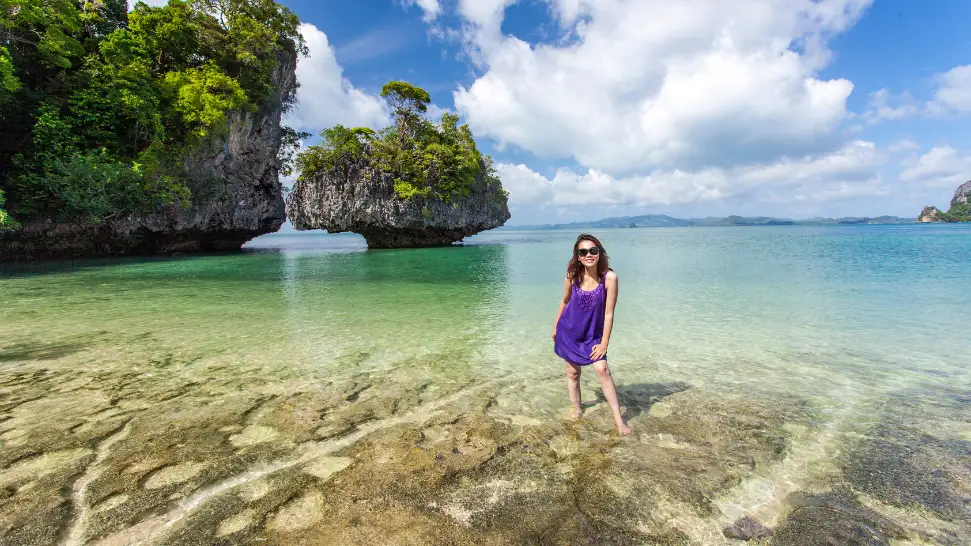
428,309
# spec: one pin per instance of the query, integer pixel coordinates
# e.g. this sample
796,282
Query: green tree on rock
425,158
99,105
409,103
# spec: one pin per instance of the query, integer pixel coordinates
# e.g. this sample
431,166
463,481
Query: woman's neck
590,271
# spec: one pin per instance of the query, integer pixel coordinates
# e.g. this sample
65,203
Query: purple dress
581,326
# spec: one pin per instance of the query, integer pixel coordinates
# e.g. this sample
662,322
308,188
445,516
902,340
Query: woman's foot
576,413
623,429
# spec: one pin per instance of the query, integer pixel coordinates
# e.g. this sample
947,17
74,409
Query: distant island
960,210
663,220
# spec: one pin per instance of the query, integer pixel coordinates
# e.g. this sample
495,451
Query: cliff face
960,210
929,214
362,200
236,196
962,194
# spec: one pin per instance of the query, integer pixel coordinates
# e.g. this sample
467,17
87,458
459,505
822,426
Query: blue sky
597,108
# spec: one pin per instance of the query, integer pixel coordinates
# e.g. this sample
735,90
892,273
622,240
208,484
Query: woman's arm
567,292
611,286
610,283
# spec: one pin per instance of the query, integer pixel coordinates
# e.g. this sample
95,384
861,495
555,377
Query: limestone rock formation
960,210
962,194
929,214
357,198
236,196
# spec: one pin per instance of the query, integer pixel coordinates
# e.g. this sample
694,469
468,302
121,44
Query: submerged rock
357,198
835,519
747,529
236,196
904,467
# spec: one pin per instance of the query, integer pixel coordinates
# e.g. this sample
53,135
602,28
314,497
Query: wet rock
222,462
905,467
747,529
833,519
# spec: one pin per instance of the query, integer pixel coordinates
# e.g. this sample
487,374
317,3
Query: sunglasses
593,251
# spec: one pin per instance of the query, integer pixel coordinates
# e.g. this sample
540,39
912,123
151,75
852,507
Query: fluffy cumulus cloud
325,97
885,106
954,91
952,96
636,86
851,171
941,167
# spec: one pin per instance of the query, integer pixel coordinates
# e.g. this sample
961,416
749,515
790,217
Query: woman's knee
572,372
601,368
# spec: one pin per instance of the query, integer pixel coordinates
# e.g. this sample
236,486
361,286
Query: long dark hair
574,269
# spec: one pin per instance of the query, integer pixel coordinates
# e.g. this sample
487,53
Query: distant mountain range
663,220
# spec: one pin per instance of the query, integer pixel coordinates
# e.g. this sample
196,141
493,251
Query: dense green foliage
425,158
99,105
5,220
957,213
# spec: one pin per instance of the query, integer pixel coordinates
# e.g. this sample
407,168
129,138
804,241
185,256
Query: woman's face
587,253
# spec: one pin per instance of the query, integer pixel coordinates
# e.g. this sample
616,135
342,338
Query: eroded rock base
410,238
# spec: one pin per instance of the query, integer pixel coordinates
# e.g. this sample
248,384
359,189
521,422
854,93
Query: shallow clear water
852,319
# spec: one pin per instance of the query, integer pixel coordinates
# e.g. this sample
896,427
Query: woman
583,323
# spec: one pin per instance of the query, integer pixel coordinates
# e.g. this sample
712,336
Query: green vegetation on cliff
960,212
98,105
425,158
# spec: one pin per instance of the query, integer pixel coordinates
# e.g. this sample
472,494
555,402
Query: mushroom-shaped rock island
414,184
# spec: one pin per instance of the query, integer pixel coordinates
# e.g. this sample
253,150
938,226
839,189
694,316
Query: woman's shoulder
610,275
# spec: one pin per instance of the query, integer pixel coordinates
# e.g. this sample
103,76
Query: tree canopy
425,158
960,212
99,105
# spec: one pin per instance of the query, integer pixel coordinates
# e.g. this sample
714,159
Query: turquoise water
844,313
853,319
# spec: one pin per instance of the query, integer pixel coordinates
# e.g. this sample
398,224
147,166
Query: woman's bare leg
610,393
573,385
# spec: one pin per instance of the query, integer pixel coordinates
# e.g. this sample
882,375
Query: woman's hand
554,333
598,352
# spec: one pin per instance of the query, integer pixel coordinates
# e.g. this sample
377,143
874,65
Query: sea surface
846,341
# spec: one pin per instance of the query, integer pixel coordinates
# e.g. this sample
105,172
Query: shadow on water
639,397
56,267
474,266
41,350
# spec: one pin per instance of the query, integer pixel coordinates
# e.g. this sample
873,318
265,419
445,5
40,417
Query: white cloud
435,112
325,97
954,91
951,96
485,14
430,8
942,166
884,106
661,84
849,172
